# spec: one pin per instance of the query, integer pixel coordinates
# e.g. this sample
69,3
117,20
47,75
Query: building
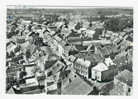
52,72
52,67
11,47
40,78
82,67
103,42
51,81
11,73
10,91
123,83
92,57
30,69
85,48
104,71
97,71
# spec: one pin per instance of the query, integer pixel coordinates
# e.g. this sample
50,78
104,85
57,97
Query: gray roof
49,64
10,91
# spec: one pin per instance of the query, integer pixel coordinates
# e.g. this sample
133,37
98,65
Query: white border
109,3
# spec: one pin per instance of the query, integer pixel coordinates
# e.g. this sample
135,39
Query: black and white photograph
69,50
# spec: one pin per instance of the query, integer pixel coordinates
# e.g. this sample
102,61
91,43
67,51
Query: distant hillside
81,11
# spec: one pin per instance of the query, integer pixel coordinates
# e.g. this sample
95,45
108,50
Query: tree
78,26
112,24
102,18
130,23
116,24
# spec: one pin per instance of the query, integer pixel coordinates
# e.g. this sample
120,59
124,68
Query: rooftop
83,62
100,67
48,64
81,47
94,58
10,91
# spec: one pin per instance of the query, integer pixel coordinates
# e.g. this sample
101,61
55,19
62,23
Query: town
69,51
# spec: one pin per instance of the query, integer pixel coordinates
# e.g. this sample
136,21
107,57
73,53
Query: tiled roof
81,47
10,91
28,89
78,39
94,58
100,67
83,62
48,64
73,35
74,39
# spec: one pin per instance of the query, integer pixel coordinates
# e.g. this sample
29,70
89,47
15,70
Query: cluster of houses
53,56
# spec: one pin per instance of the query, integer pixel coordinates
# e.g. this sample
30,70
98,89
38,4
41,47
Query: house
65,77
85,48
51,83
52,89
41,63
87,32
20,39
49,64
18,58
31,81
57,67
56,37
29,69
106,50
108,61
81,48
75,40
97,71
82,67
90,56
103,42
90,33
10,47
123,83
31,90
40,78
104,71
52,67
10,91
31,87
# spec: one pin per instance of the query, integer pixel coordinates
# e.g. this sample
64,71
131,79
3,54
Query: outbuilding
101,72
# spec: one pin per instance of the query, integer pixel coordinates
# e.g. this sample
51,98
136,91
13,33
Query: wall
96,75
